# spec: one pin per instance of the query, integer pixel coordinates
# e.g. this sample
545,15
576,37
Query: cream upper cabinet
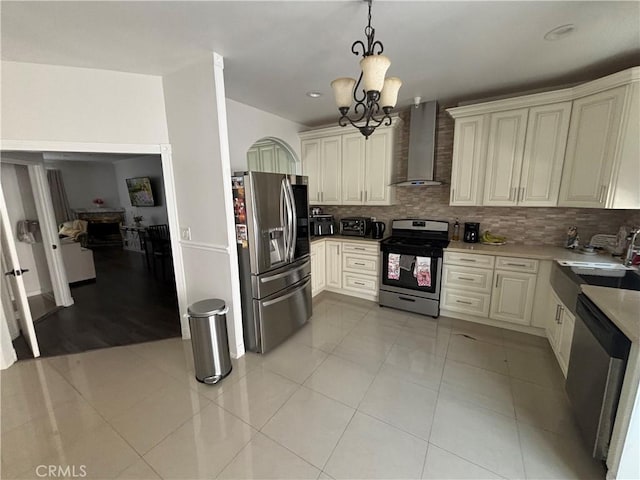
353,151
378,169
543,157
311,168
591,149
351,170
504,157
367,168
322,163
469,149
576,147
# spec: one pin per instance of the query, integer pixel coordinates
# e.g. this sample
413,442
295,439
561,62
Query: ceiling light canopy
373,94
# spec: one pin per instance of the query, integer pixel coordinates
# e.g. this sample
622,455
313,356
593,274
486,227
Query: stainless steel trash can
208,324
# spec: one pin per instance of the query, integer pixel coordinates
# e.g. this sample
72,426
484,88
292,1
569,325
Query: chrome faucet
632,249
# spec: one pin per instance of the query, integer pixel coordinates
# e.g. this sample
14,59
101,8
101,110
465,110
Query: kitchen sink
600,272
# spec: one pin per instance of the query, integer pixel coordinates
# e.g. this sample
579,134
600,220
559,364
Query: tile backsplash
530,225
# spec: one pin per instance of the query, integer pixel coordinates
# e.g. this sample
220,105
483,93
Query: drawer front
360,263
466,302
361,248
360,283
467,278
469,259
516,264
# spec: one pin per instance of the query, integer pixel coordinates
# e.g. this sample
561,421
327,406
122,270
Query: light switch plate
185,233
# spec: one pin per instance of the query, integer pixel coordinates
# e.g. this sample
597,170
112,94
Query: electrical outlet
185,233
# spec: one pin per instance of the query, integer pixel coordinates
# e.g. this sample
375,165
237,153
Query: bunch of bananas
488,237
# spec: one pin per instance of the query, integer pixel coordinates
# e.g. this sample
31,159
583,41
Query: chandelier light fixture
374,95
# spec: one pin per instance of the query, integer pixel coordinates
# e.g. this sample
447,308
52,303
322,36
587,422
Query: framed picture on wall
140,192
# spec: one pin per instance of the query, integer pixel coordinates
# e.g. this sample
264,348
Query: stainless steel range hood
422,146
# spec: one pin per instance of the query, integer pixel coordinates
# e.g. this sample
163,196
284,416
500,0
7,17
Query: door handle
17,273
54,247
497,280
557,313
407,299
560,308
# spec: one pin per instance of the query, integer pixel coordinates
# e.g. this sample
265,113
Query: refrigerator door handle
284,212
293,234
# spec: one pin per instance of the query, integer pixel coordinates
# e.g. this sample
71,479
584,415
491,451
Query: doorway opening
112,221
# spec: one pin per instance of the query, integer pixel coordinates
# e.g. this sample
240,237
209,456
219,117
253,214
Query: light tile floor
359,393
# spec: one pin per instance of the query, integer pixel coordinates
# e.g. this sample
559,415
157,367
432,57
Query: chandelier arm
379,45
358,44
356,98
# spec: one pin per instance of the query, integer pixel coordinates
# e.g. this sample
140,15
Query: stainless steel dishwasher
599,354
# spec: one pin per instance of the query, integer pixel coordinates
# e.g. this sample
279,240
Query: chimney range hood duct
422,143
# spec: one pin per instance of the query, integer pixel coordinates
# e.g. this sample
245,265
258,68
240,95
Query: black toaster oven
355,226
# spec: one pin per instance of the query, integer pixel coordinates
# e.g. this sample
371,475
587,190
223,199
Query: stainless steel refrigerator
272,235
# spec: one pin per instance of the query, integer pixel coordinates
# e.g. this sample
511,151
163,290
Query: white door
544,148
593,136
377,171
504,157
353,151
469,154
512,298
11,268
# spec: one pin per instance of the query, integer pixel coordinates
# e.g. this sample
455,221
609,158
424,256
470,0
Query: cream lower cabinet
487,288
318,267
560,325
512,297
333,264
360,269
350,268
466,283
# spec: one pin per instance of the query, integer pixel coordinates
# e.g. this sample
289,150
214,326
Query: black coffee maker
471,232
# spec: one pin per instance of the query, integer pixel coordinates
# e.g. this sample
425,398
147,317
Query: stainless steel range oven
411,260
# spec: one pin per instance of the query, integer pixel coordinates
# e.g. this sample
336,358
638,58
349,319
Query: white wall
55,103
21,206
84,181
248,124
196,119
144,166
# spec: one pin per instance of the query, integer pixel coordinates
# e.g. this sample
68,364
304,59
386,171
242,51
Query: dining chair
160,243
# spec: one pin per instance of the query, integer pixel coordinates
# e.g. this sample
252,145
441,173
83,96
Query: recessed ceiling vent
422,143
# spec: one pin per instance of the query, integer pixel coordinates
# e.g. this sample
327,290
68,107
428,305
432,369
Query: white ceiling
276,51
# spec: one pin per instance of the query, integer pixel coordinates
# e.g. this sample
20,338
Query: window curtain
59,196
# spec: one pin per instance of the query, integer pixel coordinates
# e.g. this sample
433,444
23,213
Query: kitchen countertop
621,306
530,251
346,237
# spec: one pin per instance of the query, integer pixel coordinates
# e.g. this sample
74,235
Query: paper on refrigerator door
422,271
393,266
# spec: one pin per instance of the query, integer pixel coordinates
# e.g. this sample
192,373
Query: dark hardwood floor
126,304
